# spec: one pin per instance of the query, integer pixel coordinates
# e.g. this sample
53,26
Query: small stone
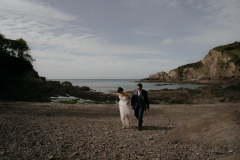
150,138
50,157
76,153
82,153
141,154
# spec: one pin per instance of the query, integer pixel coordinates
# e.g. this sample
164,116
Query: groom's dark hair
139,84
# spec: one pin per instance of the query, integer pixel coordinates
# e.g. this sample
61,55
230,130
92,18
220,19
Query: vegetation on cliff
191,65
14,56
232,50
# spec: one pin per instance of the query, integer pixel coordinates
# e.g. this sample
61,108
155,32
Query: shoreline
170,84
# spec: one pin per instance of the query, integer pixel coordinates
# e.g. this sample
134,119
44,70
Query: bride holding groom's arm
126,112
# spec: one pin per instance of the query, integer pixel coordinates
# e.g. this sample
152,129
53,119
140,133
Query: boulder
173,74
31,73
161,76
66,83
53,83
77,87
43,78
85,88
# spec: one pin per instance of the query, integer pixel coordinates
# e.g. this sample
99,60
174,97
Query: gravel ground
78,131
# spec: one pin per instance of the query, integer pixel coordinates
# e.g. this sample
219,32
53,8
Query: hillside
220,62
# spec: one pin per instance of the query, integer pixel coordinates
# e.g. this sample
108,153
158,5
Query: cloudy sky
100,39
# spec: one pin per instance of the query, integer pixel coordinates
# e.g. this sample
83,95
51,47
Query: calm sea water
111,85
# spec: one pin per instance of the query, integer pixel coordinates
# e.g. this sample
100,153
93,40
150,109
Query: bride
125,108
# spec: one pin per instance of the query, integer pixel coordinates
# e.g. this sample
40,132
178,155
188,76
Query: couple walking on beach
139,104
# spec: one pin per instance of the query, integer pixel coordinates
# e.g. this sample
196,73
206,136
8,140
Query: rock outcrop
66,83
28,86
220,62
161,76
214,65
85,88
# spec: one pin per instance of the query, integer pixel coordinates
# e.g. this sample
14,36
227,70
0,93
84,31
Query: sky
120,39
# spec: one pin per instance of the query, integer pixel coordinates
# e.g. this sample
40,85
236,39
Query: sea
111,85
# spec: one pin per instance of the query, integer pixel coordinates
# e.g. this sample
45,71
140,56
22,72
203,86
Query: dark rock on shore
43,78
28,86
212,93
163,84
66,83
85,88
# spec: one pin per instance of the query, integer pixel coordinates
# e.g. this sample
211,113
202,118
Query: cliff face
218,64
214,65
160,75
28,86
222,61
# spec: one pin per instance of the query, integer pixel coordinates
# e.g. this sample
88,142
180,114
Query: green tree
17,48
21,49
4,44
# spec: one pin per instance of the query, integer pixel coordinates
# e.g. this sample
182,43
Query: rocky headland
219,65
219,70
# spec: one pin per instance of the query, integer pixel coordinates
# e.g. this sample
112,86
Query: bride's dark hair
120,89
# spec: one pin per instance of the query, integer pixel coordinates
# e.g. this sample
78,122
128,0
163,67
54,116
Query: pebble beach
94,131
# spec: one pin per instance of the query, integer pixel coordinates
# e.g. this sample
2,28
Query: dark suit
140,103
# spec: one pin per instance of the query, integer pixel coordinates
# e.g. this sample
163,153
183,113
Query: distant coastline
111,85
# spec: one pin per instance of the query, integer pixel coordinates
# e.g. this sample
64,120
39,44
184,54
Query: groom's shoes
139,128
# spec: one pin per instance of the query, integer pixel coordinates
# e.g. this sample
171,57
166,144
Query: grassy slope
233,50
236,52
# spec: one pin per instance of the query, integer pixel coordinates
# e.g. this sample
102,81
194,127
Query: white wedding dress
126,111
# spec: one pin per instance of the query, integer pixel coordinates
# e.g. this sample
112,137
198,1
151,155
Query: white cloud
223,13
55,38
30,9
149,31
167,41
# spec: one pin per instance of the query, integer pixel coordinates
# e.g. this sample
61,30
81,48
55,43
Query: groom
139,103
